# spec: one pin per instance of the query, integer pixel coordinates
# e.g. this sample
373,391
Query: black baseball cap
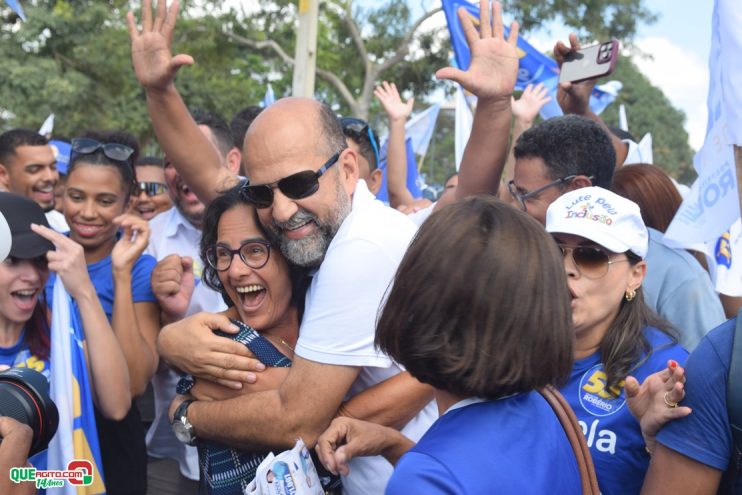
20,212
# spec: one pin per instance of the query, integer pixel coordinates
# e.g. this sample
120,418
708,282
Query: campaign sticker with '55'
595,397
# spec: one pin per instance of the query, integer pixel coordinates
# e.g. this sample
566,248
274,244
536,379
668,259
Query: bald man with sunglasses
304,182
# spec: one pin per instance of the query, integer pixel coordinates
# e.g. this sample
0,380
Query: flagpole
305,56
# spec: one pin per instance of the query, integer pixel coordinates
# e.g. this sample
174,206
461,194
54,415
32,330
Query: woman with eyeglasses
25,334
100,180
150,195
603,240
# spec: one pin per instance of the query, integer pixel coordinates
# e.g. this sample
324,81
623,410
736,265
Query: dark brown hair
652,189
479,305
624,343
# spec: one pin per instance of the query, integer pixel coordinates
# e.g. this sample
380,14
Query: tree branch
355,34
276,48
404,45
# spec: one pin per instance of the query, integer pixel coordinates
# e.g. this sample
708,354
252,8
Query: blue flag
269,97
412,176
77,437
16,7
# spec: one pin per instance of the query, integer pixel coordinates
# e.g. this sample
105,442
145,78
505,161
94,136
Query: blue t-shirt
101,274
705,434
612,433
512,445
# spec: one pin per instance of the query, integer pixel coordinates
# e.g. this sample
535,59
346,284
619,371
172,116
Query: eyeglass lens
253,254
592,262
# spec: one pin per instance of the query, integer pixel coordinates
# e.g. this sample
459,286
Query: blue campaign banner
412,176
16,7
534,67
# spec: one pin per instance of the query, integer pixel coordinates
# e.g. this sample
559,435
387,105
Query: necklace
284,343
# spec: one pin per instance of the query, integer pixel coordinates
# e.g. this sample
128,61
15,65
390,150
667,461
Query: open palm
493,70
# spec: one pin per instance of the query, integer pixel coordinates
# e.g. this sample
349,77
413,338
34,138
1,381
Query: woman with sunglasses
603,239
24,326
97,195
150,196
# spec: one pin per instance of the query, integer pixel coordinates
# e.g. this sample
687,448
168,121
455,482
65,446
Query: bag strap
576,438
734,388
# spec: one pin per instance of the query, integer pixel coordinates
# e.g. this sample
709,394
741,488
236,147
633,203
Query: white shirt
172,233
420,216
339,322
56,221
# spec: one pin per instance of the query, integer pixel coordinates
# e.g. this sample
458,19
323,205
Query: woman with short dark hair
479,309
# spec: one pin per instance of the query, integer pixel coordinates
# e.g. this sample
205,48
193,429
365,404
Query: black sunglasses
361,128
114,151
295,186
150,188
591,261
254,253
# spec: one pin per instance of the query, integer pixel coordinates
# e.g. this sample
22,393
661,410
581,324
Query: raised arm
491,78
525,110
575,97
106,363
135,324
396,157
155,67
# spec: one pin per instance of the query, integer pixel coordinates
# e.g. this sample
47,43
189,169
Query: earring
630,294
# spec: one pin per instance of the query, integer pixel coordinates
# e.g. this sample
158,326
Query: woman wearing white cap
604,240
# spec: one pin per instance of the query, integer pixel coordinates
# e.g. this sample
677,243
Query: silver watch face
182,432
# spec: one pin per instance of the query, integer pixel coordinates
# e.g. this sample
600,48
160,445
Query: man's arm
671,472
302,408
575,98
393,402
155,67
491,78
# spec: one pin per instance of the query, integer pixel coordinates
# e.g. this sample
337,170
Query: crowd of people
246,289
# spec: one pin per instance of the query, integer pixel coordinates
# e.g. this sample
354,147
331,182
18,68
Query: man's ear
581,181
234,157
4,178
348,169
374,181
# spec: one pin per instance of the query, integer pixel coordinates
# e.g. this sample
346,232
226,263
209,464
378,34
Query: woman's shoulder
144,264
662,347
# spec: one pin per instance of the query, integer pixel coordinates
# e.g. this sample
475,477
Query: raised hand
395,108
154,65
133,242
572,97
173,283
493,70
67,261
655,401
530,103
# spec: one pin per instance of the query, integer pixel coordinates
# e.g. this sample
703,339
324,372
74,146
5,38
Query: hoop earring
630,294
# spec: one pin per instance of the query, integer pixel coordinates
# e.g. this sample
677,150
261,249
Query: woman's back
512,445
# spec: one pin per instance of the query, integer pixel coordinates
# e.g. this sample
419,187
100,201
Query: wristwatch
182,428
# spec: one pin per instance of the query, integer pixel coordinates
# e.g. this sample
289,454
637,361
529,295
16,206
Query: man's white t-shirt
172,233
342,304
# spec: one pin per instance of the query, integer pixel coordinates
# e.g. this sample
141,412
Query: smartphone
590,62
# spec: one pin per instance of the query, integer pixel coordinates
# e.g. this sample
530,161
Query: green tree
648,110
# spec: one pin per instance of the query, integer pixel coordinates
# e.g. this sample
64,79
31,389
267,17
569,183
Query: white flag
420,129
463,124
48,126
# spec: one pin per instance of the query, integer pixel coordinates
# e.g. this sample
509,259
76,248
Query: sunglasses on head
149,188
591,261
254,253
114,151
295,186
361,128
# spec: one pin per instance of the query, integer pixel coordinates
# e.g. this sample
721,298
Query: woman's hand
67,261
133,242
655,401
347,438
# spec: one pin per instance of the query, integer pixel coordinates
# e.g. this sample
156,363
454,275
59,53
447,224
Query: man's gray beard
309,251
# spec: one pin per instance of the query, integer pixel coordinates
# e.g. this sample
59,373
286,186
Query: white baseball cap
5,238
601,216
